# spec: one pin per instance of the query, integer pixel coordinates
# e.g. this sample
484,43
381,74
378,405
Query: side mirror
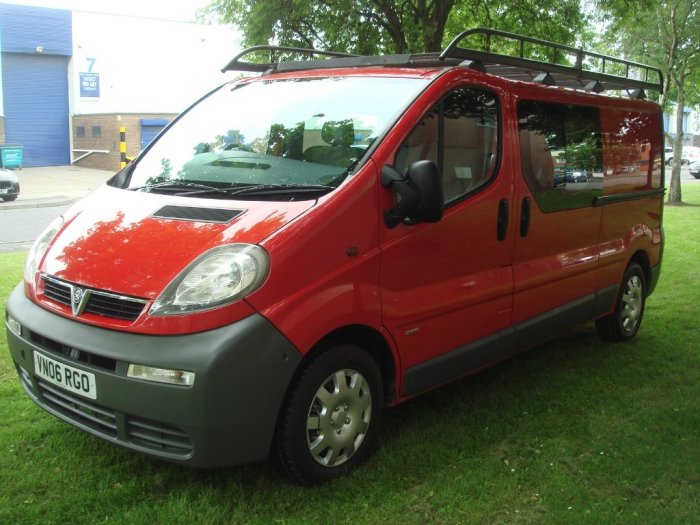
417,196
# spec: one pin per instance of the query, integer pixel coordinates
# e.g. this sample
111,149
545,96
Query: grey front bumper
226,417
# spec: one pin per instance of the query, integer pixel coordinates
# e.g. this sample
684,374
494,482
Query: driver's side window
460,134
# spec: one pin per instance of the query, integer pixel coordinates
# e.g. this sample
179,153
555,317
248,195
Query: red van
305,246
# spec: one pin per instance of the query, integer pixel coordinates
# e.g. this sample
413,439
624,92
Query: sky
183,10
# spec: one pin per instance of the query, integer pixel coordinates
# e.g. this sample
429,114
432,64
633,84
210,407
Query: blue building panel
150,127
33,30
36,107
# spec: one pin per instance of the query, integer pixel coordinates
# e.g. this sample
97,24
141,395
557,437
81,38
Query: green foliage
557,21
663,34
392,26
339,24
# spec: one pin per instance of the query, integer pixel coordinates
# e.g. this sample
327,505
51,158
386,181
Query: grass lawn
575,431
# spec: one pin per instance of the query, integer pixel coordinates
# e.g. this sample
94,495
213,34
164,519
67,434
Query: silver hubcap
631,303
338,417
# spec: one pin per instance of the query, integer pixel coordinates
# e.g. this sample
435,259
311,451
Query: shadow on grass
681,204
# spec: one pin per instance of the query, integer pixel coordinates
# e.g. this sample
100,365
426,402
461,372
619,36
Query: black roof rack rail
592,71
235,64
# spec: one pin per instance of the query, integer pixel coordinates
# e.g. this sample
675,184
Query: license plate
67,377
4,190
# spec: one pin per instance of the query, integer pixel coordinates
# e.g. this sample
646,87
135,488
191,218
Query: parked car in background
694,169
690,154
9,185
565,176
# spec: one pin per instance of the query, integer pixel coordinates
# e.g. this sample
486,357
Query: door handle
502,221
525,217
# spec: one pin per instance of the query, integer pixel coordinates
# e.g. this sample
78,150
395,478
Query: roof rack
590,71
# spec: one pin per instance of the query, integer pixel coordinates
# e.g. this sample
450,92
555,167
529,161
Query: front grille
4,184
99,302
51,346
26,381
157,436
108,424
59,292
79,410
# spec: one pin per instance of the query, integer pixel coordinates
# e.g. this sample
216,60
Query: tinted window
561,154
460,134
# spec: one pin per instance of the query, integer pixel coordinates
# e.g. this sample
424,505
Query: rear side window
561,154
460,134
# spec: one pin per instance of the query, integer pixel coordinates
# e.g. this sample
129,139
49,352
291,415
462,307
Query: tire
623,324
331,418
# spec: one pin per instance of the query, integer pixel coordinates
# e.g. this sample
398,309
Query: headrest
338,132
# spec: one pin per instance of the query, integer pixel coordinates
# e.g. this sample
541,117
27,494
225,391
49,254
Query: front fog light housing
161,375
14,325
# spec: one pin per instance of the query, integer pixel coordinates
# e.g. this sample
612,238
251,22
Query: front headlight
222,275
36,253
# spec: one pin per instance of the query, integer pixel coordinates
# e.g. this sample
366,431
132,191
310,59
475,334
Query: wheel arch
370,341
640,257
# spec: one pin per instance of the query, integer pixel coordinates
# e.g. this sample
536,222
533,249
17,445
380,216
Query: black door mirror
417,196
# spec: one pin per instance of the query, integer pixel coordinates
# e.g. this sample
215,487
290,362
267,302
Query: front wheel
331,418
623,324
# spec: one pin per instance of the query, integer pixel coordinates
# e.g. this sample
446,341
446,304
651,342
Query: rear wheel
331,418
624,322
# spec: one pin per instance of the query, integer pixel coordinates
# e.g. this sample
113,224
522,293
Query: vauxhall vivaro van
335,234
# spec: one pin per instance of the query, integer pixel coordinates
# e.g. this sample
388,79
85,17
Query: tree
560,21
664,34
392,26
366,26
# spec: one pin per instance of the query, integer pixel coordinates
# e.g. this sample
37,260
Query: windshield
283,138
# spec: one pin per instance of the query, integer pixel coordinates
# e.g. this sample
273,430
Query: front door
445,285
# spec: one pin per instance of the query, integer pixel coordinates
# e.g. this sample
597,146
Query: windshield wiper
176,186
188,189
266,189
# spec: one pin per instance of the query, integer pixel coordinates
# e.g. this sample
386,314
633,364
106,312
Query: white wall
146,65
694,122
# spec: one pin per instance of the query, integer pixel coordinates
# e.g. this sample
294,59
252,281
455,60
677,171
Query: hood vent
191,213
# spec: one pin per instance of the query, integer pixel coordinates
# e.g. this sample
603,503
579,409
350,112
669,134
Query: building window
561,154
79,132
97,132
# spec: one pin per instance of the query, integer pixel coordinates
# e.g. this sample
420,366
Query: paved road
19,228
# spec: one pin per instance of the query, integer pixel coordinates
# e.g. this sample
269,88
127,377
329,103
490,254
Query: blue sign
89,84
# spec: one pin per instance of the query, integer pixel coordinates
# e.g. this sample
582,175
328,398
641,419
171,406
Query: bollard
122,147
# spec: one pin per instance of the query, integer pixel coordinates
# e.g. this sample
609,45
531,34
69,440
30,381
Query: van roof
519,58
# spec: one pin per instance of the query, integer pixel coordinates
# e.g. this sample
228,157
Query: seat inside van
338,150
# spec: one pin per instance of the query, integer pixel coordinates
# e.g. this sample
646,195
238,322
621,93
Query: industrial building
70,80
